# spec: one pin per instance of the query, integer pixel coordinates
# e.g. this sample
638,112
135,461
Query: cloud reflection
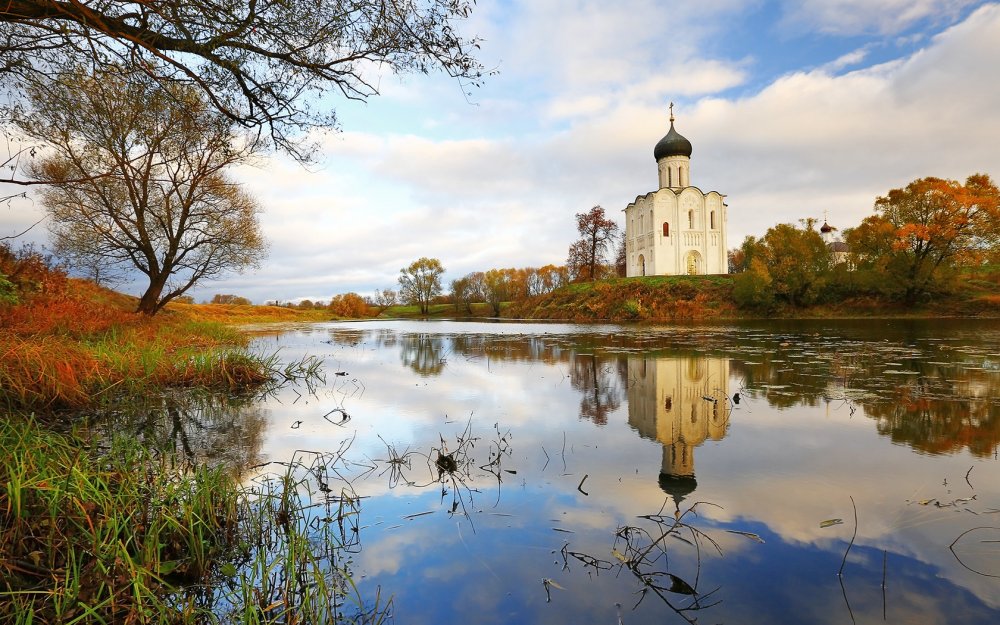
605,426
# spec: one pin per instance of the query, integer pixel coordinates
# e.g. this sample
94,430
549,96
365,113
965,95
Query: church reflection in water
680,402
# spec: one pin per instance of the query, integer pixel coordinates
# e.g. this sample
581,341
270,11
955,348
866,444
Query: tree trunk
149,303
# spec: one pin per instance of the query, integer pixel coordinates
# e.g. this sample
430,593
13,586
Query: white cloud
852,17
846,60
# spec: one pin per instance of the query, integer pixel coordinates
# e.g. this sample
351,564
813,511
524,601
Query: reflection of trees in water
601,382
939,406
936,425
353,338
198,427
928,400
424,353
517,348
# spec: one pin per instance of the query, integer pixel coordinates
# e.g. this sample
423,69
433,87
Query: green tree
741,257
261,64
168,207
752,287
927,228
8,291
225,298
797,260
421,282
498,286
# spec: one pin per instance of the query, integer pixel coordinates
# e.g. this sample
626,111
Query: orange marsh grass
83,346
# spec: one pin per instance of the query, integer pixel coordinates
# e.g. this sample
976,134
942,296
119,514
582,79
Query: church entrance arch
642,265
693,264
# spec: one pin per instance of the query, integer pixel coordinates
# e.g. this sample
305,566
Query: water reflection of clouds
808,481
785,459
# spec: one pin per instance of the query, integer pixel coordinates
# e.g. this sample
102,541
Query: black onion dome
826,228
677,486
673,144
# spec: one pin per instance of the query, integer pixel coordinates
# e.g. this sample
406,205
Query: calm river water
540,473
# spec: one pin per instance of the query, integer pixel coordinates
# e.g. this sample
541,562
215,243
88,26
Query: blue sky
795,109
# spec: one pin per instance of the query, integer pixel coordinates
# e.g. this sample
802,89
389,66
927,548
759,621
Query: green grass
438,310
108,532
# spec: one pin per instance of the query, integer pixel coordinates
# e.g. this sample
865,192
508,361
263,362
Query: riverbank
84,346
101,522
694,298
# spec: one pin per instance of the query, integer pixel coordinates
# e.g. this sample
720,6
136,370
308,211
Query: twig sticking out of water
843,589
642,550
851,544
885,557
967,477
580,487
344,417
951,548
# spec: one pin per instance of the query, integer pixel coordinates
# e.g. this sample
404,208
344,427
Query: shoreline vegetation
711,298
665,299
96,530
99,526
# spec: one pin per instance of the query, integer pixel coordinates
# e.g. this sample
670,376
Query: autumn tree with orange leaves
926,229
587,256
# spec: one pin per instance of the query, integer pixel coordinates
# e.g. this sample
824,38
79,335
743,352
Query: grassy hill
651,298
687,298
72,344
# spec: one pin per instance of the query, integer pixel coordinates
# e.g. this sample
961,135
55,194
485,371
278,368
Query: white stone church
677,229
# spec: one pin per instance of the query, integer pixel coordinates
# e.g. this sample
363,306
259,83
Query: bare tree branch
264,64
23,232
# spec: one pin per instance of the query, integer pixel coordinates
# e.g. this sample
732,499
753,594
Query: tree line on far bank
915,245
917,242
420,283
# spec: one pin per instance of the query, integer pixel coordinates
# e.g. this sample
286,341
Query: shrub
8,292
29,272
631,308
220,298
752,288
349,306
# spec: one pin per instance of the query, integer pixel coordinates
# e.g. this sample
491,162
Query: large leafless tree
163,204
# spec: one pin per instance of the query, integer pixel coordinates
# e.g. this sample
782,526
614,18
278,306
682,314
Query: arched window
670,181
712,218
690,220
666,229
